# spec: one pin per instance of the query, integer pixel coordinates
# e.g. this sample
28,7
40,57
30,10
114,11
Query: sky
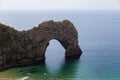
59,4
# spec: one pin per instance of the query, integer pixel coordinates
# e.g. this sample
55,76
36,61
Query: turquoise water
99,39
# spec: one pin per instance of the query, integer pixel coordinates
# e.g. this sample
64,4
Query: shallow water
98,38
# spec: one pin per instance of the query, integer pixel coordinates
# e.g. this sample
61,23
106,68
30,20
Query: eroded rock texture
19,48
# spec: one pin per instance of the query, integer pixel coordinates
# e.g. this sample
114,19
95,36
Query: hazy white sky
59,4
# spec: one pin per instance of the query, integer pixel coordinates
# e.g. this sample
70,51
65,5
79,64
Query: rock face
19,48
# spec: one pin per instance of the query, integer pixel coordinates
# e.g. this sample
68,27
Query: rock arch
18,48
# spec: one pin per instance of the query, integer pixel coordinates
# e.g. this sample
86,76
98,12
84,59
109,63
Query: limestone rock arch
19,48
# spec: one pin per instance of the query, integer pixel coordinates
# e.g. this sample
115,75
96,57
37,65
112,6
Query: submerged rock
19,48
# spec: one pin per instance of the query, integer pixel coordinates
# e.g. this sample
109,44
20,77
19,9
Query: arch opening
54,50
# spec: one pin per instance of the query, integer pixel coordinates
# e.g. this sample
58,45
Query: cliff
19,48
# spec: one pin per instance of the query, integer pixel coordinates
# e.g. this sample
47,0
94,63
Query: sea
99,39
